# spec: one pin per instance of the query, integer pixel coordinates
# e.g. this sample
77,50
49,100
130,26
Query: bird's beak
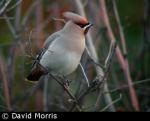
89,25
86,28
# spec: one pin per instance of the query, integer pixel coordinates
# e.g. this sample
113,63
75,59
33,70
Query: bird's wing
47,43
37,69
50,39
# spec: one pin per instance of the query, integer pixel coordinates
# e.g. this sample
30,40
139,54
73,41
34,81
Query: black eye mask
82,25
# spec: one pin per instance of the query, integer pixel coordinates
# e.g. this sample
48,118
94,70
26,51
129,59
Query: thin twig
92,50
121,33
45,98
108,64
5,85
30,46
96,63
17,18
10,18
111,52
127,86
13,6
57,19
10,26
28,13
82,69
3,9
67,91
94,84
13,48
124,64
113,102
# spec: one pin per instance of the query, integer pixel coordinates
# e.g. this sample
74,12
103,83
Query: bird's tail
37,71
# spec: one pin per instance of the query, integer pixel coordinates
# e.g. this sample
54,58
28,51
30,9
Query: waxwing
63,49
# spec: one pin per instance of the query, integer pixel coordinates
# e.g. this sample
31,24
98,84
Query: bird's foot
67,82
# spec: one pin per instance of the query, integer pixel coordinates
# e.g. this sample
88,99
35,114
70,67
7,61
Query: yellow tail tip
33,82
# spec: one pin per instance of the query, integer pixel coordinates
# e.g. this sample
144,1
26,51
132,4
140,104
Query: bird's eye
82,25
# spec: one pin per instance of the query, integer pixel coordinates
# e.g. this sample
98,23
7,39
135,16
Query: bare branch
3,9
28,13
91,48
10,18
110,54
123,63
10,26
57,19
113,102
13,6
5,85
127,86
30,47
68,92
45,94
82,69
122,37
108,64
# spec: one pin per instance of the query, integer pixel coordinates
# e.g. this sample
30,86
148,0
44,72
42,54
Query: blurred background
24,26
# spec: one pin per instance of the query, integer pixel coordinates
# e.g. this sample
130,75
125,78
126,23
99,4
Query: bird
62,50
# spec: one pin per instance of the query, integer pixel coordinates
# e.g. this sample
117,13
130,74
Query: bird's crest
75,17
